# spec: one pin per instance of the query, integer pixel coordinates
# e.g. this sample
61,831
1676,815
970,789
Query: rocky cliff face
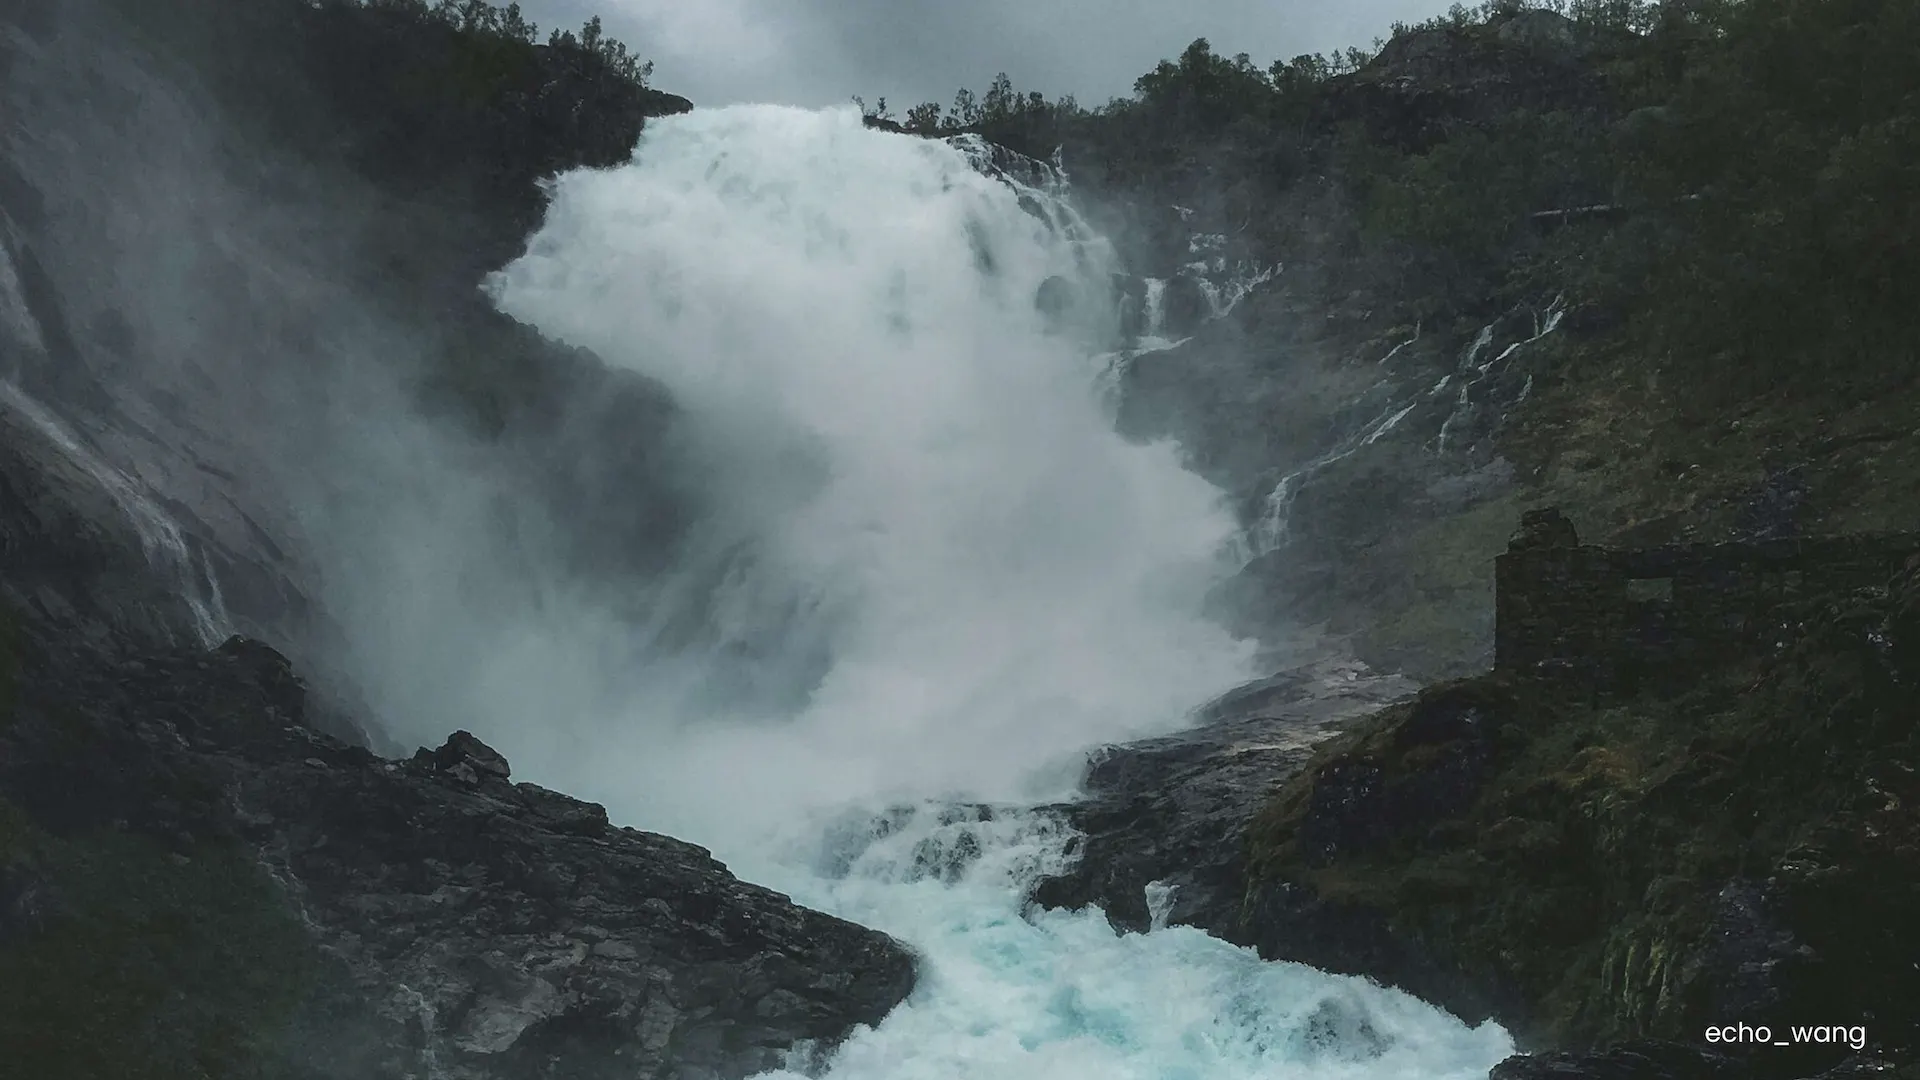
1443,342
228,321
1609,871
438,919
1347,400
1164,823
204,864
1596,873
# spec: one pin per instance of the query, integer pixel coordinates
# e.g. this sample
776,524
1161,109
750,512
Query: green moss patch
124,960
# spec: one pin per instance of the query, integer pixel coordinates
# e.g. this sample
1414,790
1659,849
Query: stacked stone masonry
1616,617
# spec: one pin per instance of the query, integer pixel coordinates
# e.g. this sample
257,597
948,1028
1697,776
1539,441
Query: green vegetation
446,114
144,963
1791,145
489,27
1755,149
1740,277
456,95
1579,862
1761,155
1200,100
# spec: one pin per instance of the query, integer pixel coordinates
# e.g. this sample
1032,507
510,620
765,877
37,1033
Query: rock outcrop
1170,814
1427,79
205,867
456,924
1638,866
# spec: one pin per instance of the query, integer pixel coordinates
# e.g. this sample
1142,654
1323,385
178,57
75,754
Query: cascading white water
15,318
1059,996
914,453
162,540
934,501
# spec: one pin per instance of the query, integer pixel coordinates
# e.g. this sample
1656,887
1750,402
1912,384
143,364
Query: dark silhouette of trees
924,118
1756,156
589,49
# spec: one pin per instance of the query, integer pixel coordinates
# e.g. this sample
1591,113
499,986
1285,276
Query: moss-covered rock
129,960
1742,850
194,883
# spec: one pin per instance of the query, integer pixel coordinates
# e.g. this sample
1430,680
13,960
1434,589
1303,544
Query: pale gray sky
813,52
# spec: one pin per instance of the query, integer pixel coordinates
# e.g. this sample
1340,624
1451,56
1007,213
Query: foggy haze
817,52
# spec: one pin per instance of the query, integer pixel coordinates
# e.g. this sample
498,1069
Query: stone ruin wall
1615,616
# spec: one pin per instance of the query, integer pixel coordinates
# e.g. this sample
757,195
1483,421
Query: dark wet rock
27,900
192,447
950,847
1425,768
1174,810
466,758
1422,81
1751,955
1345,446
1773,509
1055,297
272,679
1546,527
1635,1061
1129,298
1183,306
74,556
1358,805
1652,1060
425,917
1735,849
499,929
945,857
1008,165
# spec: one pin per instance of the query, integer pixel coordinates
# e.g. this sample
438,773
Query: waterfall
917,485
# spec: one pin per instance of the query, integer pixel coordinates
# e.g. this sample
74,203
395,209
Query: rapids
962,578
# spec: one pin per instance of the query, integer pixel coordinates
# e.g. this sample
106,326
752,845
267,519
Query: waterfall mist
922,545
927,570
909,561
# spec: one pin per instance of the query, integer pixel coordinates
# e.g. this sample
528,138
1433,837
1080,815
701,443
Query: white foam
917,481
1060,996
999,579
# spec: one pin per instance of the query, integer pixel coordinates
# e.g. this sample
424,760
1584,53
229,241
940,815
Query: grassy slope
1581,865
1754,327
1613,444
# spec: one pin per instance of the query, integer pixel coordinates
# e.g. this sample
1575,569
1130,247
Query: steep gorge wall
1512,266
231,301
1351,403
221,334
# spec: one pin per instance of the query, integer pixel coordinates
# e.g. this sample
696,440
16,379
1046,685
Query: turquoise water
1058,995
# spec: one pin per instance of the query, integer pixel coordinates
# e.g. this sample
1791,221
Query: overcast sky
815,52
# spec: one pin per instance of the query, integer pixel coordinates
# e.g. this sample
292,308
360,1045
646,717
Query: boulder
1173,811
